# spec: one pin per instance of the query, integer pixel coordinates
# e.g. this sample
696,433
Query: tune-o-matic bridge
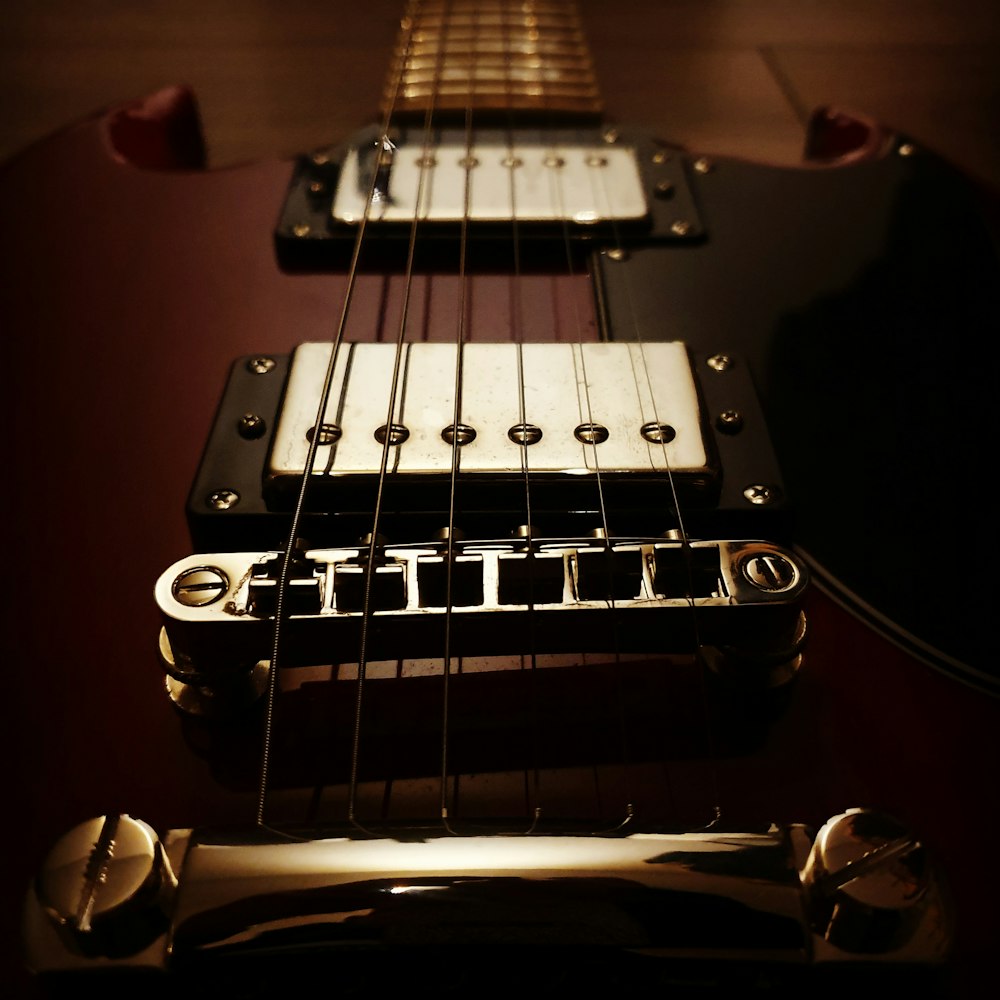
492,597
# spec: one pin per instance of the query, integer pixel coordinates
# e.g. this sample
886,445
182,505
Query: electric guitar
493,259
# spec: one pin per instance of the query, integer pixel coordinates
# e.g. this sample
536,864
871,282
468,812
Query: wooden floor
722,77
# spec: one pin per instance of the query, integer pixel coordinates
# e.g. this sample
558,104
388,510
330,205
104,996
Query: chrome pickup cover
623,409
553,181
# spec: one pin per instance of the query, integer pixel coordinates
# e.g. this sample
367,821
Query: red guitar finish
126,292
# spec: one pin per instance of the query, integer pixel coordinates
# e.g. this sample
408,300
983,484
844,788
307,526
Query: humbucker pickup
560,188
588,435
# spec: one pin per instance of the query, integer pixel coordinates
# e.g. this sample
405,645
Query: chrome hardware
396,433
497,588
199,586
759,494
591,433
870,884
223,499
251,426
459,434
734,900
328,434
729,421
597,380
440,179
107,887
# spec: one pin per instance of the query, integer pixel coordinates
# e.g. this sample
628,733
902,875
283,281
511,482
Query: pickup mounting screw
320,159
702,165
223,499
769,571
906,149
729,421
317,187
760,495
661,156
720,362
251,426
664,189
200,586
680,227
261,365
301,229
610,135
616,253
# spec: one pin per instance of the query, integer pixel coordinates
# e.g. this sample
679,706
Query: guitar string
460,334
556,161
515,304
313,445
423,176
685,539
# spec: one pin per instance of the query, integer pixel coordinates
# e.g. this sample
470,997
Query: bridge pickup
635,595
628,429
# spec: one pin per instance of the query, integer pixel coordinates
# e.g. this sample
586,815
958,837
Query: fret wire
561,63
514,37
461,71
486,88
480,46
493,12
528,103
431,23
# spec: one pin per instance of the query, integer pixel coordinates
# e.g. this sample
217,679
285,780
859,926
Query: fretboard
506,57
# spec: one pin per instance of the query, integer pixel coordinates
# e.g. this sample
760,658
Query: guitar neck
512,59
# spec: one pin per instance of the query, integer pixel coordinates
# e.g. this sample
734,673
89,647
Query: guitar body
128,291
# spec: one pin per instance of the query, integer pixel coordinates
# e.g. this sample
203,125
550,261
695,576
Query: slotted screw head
200,586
